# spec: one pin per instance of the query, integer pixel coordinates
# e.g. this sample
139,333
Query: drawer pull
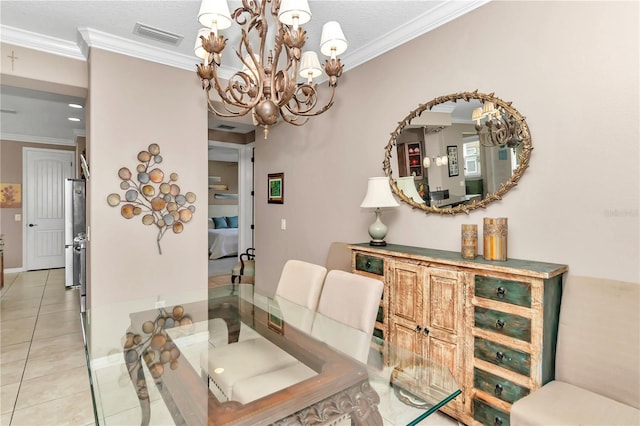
500,324
426,331
498,390
497,421
499,356
368,264
418,327
501,291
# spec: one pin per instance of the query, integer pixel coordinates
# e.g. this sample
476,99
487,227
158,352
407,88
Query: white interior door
44,173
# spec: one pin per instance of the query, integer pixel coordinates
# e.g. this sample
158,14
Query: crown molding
421,24
31,40
36,139
89,37
92,38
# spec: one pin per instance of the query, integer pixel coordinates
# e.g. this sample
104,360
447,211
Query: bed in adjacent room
223,231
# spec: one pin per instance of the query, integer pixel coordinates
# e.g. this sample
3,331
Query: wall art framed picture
452,159
275,190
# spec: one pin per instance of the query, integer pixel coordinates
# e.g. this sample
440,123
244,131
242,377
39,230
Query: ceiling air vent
225,127
157,34
8,111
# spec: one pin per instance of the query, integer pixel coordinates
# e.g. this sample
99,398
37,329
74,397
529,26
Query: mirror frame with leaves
524,157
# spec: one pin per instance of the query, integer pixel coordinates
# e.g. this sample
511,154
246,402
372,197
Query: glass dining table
236,356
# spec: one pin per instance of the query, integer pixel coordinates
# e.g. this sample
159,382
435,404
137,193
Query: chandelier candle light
264,88
378,196
501,128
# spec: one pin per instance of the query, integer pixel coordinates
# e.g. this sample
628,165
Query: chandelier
501,128
267,86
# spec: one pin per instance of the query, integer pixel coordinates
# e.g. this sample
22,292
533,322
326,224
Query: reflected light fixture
378,196
441,160
501,128
267,85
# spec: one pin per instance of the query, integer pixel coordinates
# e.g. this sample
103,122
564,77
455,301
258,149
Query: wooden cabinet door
444,311
406,307
443,300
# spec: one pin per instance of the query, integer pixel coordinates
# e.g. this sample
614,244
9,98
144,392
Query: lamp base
378,243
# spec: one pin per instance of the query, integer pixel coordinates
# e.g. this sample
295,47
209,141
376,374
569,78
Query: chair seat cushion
559,403
256,387
229,364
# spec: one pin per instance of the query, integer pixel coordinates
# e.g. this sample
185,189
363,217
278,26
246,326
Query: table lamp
378,196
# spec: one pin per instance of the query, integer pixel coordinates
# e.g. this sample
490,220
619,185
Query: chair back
353,300
339,257
599,336
301,283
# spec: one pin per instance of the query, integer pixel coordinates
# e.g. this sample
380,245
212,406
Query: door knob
31,225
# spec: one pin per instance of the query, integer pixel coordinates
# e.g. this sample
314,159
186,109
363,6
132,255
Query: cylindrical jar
495,232
469,241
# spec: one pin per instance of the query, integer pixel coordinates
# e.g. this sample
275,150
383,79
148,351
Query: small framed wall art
452,160
275,189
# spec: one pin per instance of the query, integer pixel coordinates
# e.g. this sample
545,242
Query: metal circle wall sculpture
149,196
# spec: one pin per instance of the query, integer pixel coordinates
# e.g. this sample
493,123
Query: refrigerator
75,237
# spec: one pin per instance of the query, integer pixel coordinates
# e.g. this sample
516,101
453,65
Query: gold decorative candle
495,238
469,241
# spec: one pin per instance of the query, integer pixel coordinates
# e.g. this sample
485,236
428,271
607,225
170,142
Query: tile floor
44,379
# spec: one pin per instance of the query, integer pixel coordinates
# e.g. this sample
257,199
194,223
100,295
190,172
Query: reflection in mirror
457,153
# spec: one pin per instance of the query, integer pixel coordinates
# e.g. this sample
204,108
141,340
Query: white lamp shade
488,108
214,11
378,194
407,185
309,64
332,38
477,115
426,163
290,9
445,160
197,48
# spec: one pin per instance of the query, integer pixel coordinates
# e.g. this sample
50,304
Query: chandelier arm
229,113
293,119
307,113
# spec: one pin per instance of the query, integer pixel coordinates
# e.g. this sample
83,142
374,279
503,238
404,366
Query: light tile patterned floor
44,379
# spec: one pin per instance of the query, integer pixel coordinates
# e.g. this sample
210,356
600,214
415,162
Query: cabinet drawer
503,290
495,353
498,387
488,414
503,323
371,264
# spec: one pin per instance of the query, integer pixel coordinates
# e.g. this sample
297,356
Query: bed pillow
232,221
211,225
219,222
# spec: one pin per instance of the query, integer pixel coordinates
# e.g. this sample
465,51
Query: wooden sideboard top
513,266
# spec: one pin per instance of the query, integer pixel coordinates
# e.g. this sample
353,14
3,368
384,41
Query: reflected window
471,152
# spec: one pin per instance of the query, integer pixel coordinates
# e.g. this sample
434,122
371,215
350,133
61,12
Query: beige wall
570,67
11,172
39,70
228,173
132,104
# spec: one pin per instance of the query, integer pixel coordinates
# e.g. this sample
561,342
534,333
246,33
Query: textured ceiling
69,27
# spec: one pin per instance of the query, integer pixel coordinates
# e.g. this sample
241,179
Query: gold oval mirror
457,153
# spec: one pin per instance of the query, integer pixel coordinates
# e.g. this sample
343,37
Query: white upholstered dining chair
346,298
300,284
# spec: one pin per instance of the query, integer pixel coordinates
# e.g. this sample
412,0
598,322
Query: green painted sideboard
493,324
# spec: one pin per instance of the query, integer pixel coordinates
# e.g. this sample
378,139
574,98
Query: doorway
242,156
44,172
